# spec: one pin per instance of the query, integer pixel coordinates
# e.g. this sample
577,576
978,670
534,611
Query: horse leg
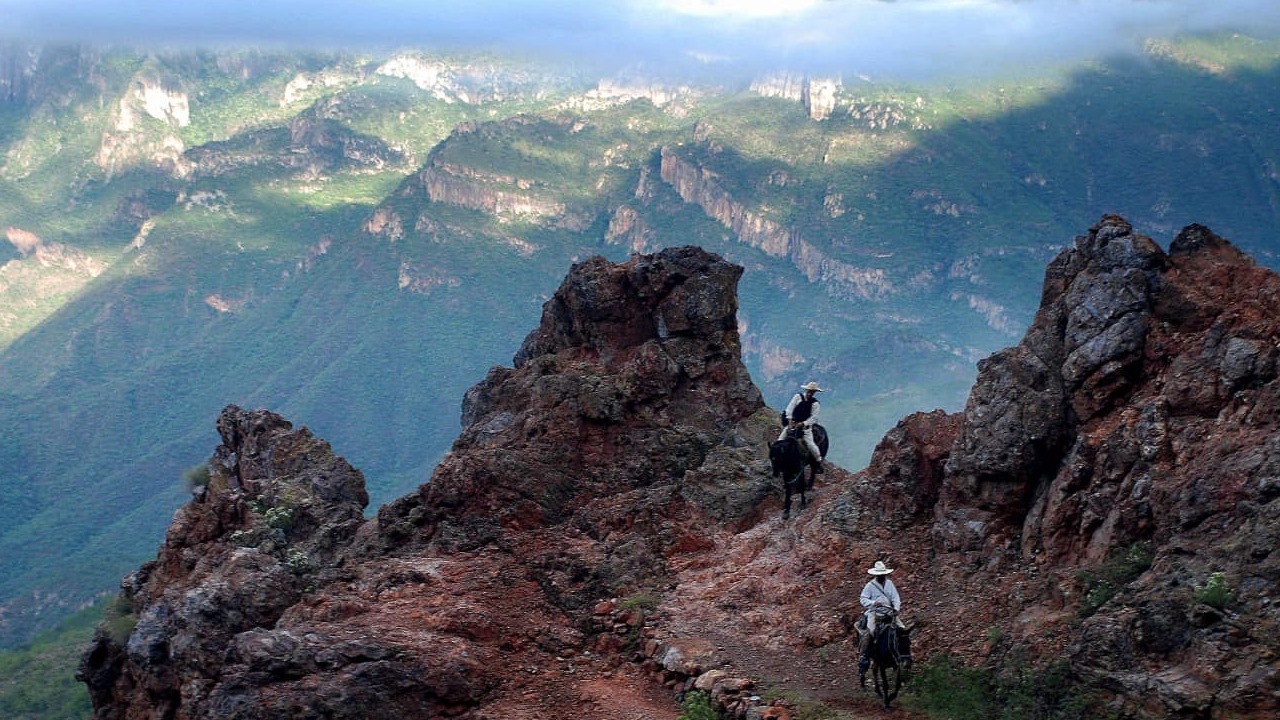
786,503
883,680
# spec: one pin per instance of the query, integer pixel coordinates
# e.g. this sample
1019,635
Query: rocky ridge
480,594
1109,465
605,534
500,194
311,147
136,138
460,186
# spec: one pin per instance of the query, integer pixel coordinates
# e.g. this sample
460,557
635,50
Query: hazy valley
355,241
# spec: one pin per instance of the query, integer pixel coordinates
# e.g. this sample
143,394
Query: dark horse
789,456
889,649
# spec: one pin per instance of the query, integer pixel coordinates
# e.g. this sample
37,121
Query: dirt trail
778,602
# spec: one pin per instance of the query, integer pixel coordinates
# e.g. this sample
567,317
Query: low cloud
900,37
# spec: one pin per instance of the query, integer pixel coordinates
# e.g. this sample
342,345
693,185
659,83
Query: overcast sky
912,37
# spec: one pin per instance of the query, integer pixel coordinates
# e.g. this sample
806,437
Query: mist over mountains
354,239
915,39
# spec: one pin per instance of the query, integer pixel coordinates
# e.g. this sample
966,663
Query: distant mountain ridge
323,235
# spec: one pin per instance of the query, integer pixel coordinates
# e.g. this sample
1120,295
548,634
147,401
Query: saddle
885,619
819,438
796,433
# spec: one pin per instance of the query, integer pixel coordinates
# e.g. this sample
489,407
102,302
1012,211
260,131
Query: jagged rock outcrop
1083,351
627,424
908,468
632,380
39,273
1107,502
785,85
627,228
1120,455
494,194
819,97
469,82
611,92
277,508
144,122
817,94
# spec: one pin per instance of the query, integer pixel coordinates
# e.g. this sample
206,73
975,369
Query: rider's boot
817,466
864,664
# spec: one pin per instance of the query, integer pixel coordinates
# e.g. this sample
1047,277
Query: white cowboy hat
879,569
811,386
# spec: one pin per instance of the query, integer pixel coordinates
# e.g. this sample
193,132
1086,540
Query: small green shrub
643,602
994,635
196,478
279,517
945,688
1118,570
120,620
697,705
245,538
1215,592
1044,693
640,601
297,561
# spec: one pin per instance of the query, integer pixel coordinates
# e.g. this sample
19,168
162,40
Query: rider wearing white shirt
879,592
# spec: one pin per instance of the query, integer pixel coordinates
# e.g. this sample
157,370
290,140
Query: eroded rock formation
699,186
605,533
627,423
493,192
1112,462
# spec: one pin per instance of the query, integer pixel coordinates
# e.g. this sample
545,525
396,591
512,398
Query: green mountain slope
353,242
37,681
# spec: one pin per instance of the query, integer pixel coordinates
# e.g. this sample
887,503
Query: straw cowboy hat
811,386
879,569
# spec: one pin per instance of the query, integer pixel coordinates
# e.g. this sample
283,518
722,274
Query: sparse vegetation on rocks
1102,583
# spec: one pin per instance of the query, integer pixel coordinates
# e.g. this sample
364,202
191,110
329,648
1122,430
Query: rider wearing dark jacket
803,411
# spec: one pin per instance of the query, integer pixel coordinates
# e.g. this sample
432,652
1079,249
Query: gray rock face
303,489
1081,354
1124,449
